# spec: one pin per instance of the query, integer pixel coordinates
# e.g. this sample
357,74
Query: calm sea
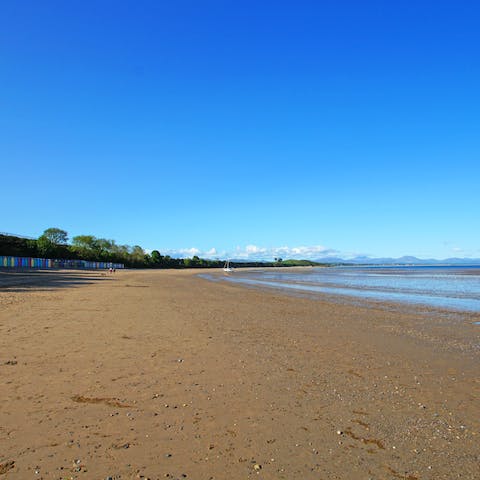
455,288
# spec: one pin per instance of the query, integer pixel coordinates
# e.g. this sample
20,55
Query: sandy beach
162,374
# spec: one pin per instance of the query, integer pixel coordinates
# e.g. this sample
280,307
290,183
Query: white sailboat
227,267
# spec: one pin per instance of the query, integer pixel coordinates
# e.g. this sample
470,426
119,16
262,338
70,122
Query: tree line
54,243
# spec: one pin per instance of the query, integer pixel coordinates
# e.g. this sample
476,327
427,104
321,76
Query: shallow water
453,288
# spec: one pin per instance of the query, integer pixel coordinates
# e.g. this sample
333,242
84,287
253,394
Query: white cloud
182,252
212,253
252,249
257,253
254,252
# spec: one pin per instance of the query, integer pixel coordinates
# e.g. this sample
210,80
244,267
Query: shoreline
160,373
405,306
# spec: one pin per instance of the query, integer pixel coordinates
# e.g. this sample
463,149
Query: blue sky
244,128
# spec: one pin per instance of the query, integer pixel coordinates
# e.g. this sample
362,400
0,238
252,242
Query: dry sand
161,374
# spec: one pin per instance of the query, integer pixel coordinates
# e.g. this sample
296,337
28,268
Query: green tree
56,236
45,247
137,255
84,245
104,248
48,243
196,261
156,257
84,241
121,252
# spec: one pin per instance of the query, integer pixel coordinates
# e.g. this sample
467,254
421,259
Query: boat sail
227,267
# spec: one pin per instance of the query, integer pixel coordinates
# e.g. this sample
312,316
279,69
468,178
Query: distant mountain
364,260
405,260
463,261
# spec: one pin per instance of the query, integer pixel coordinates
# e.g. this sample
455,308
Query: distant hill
405,260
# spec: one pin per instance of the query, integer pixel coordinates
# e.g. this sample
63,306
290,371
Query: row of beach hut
29,262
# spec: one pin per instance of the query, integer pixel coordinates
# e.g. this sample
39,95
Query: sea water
445,287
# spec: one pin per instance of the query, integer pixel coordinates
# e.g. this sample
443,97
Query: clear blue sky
350,126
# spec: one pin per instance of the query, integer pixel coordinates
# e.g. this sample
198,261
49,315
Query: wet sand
162,374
